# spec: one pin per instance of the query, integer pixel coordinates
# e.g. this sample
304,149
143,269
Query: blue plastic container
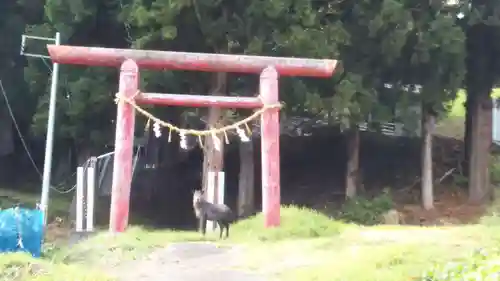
21,230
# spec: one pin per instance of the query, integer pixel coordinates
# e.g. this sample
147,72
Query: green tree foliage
12,24
378,42
85,108
391,42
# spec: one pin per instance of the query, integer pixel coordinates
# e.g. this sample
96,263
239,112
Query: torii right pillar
270,147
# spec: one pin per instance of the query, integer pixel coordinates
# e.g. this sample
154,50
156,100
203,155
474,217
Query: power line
18,130
47,65
23,141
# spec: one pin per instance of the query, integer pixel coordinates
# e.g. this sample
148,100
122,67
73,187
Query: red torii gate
130,60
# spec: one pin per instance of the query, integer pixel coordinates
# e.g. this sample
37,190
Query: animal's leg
200,223
203,224
221,227
227,230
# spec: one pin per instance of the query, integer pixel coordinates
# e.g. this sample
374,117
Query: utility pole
49,145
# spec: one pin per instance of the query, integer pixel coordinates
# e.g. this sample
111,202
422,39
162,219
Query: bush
362,210
296,222
482,265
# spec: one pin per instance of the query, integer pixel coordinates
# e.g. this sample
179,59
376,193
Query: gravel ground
189,262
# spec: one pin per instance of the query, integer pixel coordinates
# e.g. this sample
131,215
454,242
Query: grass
395,256
308,246
21,267
453,125
58,204
457,106
385,253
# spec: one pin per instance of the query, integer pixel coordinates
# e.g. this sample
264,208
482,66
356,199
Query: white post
220,189
90,194
79,198
211,196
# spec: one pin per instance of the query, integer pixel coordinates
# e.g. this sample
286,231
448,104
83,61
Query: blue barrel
21,230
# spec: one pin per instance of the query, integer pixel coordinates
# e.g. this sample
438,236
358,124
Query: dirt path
189,262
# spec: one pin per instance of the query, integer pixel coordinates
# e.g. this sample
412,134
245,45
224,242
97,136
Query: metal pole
50,137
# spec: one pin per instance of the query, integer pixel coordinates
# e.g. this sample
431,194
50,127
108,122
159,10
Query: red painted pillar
270,148
124,143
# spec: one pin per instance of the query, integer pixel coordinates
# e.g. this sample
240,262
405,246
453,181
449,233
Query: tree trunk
213,159
352,171
428,124
482,66
479,178
246,188
467,134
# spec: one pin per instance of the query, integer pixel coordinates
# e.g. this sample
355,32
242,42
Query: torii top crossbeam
162,60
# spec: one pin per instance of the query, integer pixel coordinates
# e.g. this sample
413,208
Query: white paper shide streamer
157,129
242,135
183,140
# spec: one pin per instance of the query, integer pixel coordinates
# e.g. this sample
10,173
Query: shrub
362,210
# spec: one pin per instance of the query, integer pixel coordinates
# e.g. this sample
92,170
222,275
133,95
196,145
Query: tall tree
483,71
